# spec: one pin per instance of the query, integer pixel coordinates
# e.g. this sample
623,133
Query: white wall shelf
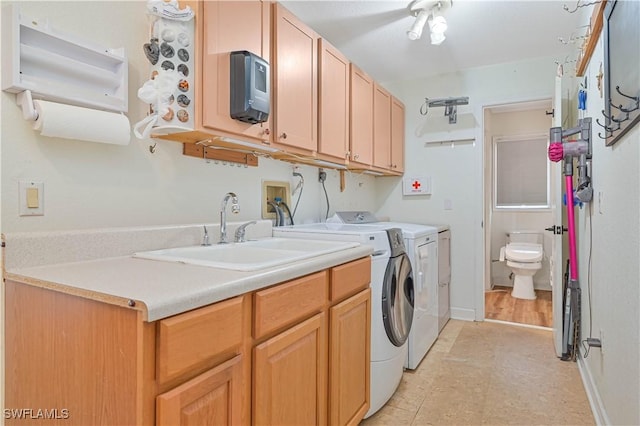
59,67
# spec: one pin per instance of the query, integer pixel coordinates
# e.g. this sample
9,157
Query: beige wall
93,185
608,253
457,172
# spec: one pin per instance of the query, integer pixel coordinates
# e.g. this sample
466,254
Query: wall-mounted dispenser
250,87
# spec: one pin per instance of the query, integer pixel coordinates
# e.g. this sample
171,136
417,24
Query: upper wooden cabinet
361,114
334,87
322,106
295,82
229,26
397,135
381,127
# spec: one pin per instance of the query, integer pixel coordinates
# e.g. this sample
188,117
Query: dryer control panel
396,241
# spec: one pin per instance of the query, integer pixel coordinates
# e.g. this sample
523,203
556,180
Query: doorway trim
506,106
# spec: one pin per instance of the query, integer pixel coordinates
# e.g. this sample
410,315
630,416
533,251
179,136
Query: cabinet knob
266,132
283,136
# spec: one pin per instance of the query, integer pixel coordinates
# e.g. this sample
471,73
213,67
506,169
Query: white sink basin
248,256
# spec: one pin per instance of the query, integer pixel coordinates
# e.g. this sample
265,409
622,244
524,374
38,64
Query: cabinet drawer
283,304
350,278
188,340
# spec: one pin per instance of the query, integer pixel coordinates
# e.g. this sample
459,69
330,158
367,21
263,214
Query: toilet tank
524,237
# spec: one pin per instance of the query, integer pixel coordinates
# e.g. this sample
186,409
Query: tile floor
489,374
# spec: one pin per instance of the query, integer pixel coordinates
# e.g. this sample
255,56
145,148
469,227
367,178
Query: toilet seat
524,253
524,265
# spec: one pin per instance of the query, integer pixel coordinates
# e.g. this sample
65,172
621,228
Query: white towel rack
452,142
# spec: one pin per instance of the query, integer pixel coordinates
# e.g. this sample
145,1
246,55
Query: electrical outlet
322,175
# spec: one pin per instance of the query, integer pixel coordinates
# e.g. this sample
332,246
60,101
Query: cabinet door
397,135
230,26
333,125
295,63
212,398
349,358
361,117
381,127
289,376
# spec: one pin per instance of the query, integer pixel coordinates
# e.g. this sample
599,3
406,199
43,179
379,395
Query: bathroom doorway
520,185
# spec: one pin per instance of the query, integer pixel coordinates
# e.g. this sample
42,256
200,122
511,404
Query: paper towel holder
61,67
25,101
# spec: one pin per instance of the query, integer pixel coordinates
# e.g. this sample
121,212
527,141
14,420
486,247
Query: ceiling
372,34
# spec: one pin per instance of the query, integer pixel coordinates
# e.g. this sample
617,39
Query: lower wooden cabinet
289,376
349,359
294,353
212,398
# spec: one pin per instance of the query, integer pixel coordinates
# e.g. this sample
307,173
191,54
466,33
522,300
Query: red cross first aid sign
416,185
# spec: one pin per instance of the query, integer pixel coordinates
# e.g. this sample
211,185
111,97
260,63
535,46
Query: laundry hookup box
420,185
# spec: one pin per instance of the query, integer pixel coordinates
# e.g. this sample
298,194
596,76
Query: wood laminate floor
500,305
486,373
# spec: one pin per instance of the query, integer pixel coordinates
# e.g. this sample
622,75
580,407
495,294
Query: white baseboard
597,408
463,314
517,324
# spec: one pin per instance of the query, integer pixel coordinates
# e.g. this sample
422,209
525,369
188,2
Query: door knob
556,229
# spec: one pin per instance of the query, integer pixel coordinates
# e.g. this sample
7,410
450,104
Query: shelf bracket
25,101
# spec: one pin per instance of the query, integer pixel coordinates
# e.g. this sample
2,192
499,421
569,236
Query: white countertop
158,289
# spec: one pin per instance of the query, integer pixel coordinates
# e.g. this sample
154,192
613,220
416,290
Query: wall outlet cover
272,190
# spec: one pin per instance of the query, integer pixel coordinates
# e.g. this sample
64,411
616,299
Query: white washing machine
391,298
421,242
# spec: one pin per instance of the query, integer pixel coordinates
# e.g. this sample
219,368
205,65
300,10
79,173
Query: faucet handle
241,231
205,237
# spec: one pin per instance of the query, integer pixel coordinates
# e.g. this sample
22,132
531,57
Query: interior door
555,260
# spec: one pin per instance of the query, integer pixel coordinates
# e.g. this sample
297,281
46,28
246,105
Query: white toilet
523,254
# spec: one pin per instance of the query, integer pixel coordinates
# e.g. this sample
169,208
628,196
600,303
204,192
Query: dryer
421,242
392,298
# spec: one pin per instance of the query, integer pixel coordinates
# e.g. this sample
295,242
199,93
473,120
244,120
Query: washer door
398,299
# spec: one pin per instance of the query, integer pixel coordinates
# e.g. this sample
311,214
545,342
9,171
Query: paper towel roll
72,122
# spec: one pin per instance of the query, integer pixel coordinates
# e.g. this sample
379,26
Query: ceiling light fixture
428,11
415,31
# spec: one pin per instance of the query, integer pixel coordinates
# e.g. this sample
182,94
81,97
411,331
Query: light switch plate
31,193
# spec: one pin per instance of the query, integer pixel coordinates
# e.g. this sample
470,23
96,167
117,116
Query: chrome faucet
235,208
241,231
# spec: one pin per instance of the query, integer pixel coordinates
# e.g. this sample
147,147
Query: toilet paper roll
72,122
